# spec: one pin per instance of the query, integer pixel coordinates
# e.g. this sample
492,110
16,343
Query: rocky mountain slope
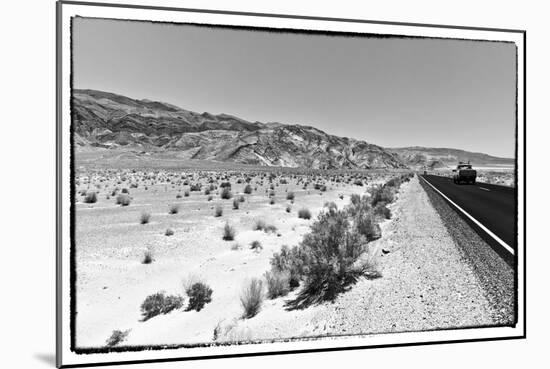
436,158
106,120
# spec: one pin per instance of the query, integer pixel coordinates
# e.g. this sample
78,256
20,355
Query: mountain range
438,158
107,120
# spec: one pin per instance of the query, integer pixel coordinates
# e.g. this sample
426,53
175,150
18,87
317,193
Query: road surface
491,205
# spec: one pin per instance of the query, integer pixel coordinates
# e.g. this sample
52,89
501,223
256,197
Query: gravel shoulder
427,283
495,276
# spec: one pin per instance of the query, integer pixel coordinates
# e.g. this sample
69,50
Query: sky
392,92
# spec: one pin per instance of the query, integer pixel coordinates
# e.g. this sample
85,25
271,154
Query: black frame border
58,156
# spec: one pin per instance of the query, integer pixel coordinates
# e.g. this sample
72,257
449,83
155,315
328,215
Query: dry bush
304,213
173,209
145,217
90,198
259,225
199,294
169,232
226,193
147,257
291,261
218,211
278,283
366,225
252,298
328,253
228,232
123,199
159,303
382,211
256,245
236,204
288,209
117,337
248,189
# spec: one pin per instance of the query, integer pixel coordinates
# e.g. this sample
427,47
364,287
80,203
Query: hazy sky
387,91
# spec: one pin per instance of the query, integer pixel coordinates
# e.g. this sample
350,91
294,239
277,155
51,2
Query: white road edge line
486,189
501,242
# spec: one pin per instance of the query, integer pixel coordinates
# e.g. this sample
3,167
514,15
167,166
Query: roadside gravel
427,281
494,274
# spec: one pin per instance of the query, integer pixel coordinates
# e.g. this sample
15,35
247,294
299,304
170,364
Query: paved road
493,206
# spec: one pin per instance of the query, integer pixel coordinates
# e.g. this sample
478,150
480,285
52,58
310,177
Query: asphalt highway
491,205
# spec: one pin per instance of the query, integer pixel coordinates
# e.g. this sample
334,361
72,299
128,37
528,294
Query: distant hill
435,158
107,120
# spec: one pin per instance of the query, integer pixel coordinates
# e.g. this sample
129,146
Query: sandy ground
427,283
112,282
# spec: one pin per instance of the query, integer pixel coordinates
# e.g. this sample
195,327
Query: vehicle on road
464,173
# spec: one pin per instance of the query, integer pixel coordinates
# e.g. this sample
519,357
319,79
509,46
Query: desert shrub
358,182
366,225
178,196
169,232
248,189
117,337
383,195
330,205
382,211
145,217
226,193
195,187
272,201
277,283
123,199
329,252
259,225
355,199
290,195
207,191
270,228
199,294
210,198
186,193
90,198
218,211
147,257
226,185
173,209
228,232
125,190
304,213
252,298
242,199
256,245
160,303
291,261
288,209
236,204
235,246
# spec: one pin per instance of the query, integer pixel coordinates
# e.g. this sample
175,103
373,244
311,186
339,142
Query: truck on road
464,173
